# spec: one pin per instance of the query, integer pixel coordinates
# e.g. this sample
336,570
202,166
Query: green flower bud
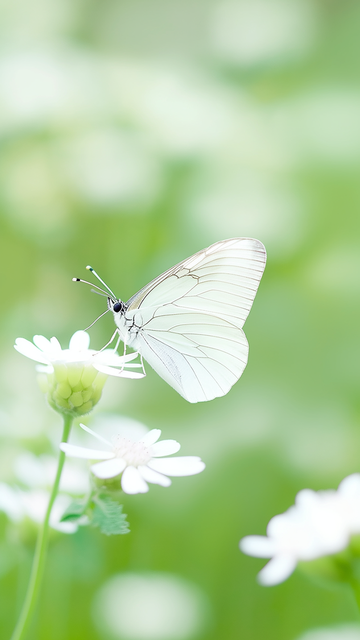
74,388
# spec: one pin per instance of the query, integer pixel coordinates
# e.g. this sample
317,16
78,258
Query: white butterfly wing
191,318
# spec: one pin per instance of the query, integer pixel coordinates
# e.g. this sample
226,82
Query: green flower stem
356,590
41,548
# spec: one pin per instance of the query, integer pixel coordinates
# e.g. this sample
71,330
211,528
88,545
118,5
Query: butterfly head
116,306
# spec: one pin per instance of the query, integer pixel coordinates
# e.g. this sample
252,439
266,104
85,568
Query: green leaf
74,511
108,516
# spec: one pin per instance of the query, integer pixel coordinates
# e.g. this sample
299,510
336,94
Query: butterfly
187,323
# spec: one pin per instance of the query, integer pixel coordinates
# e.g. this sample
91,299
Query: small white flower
18,504
319,524
138,461
38,472
30,500
69,377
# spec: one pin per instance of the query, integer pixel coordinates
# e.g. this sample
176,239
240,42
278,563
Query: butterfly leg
124,354
117,343
142,364
110,341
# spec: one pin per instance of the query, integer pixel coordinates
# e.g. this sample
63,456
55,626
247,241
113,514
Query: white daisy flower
319,524
69,377
139,461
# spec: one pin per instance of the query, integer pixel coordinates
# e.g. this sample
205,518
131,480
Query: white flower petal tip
42,343
320,523
276,571
181,466
79,341
165,448
109,468
29,350
73,451
350,485
139,461
132,482
149,475
151,437
257,546
96,435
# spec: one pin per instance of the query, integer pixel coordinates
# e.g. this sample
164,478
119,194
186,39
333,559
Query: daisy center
134,453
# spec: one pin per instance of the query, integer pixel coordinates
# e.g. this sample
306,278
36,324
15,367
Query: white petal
132,482
29,350
165,448
181,466
258,546
277,570
109,468
45,368
111,357
129,374
128,357
42,343
80,341
81,452
350,486
56,346
59,506
10,502
134,365
96,435
63,527
153,476
117,373
151,437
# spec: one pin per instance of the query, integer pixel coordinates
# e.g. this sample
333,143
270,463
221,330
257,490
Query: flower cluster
320,523
138,461
69,377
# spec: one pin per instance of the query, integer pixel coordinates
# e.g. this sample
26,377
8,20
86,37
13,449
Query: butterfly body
127,329
187,323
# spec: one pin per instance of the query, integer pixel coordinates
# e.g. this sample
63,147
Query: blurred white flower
337,632
109,167
69,378
250,32
172,608
18,504
319,524
106,424
38,472
137,460
36,476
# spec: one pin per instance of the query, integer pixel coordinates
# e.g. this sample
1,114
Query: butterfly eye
117,307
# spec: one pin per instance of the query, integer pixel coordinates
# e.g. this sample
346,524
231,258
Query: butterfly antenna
98,318
95,287
100,280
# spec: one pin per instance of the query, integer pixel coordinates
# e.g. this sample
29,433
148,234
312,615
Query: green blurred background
134,133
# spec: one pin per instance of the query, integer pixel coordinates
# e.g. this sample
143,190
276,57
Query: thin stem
356,591
41,548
